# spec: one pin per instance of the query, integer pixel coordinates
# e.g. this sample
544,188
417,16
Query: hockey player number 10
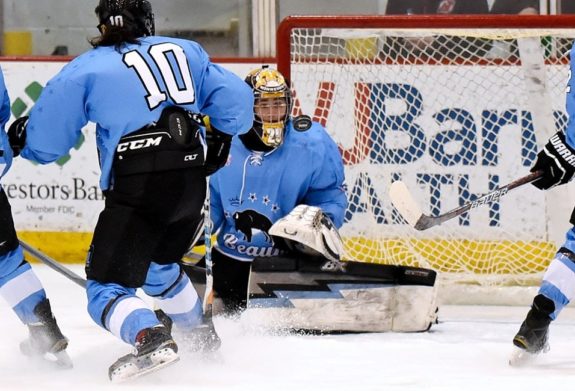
159,54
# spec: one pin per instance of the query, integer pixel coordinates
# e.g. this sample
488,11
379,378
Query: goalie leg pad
357,297
414,308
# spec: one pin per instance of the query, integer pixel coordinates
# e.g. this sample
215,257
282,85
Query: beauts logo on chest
248,224
231,242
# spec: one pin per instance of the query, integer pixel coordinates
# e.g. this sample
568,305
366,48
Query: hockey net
454,107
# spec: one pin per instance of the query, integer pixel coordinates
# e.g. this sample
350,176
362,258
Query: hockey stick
404,202
53,264
208,301
209,293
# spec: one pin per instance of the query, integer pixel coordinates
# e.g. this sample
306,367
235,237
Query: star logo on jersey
252,197
266,200
275,208
22,105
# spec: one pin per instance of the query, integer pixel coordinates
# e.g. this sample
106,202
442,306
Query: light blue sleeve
5,150
327,186
56,121
570,103
227,100
5,104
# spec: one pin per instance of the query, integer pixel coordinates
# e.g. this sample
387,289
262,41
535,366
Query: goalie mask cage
454,106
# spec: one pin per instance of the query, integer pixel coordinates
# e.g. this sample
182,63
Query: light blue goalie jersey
5,150
124,91
256,189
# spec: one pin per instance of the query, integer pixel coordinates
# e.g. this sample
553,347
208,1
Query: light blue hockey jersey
570,102
5,150
256,189
122,92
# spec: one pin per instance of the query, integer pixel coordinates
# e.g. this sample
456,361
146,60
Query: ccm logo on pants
139,144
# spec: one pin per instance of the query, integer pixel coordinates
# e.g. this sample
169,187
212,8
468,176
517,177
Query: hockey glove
557,161
17,135
219,144
181,124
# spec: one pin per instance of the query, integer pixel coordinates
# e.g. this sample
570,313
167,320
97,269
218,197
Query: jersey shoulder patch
302,123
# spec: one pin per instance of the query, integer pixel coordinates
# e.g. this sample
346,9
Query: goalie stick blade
403,201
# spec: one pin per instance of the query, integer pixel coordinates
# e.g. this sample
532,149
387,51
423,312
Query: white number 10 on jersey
159,53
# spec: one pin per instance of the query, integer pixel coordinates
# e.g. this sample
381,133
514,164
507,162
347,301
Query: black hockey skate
532,337
45,339
155,349
165,319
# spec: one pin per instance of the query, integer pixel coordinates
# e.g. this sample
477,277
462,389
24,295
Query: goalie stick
404,202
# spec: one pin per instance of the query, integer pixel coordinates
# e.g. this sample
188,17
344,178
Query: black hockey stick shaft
53,264
426,222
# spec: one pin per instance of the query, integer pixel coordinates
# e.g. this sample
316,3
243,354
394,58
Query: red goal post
452,105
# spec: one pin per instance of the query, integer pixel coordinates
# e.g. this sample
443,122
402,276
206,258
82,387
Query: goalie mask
272,105
135,15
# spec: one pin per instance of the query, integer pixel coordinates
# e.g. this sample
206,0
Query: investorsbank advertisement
451,133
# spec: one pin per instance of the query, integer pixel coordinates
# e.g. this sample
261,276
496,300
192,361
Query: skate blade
144,366
61,359
520,357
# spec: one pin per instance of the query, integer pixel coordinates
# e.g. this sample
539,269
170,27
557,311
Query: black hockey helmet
135,15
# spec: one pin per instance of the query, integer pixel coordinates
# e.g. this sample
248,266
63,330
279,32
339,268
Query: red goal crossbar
409,21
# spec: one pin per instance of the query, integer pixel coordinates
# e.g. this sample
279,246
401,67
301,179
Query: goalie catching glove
17,135
557,161
308,230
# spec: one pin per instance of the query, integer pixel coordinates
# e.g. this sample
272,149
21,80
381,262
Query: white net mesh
454,113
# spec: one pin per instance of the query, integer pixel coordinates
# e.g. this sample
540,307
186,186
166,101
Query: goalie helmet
272,104
135,15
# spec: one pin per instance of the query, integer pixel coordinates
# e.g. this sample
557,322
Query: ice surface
468,350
